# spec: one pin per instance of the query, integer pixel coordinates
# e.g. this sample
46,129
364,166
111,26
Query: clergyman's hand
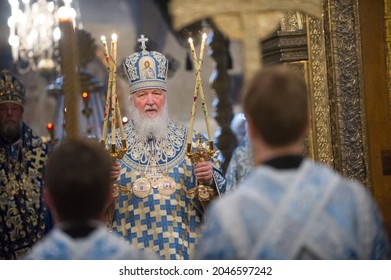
115,170
204,171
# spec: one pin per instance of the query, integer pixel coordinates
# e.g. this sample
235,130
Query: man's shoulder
119,248
35,139
177,128
323,175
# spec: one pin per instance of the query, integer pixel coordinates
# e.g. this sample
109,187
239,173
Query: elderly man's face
10,120
149,102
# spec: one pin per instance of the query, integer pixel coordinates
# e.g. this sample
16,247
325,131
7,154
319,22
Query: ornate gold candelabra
112,108
202,191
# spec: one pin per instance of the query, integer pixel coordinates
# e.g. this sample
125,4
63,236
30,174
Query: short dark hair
78,180
277,103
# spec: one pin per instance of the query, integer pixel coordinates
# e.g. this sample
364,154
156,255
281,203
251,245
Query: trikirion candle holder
112,108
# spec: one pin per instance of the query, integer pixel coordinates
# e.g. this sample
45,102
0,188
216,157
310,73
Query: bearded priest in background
153,209
24,218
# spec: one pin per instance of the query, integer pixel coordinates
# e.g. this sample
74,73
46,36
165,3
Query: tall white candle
113,86
108,94
195,95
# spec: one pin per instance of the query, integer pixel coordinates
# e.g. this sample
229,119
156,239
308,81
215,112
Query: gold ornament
166,186
142,187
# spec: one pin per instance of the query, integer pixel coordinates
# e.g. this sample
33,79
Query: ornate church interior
342,48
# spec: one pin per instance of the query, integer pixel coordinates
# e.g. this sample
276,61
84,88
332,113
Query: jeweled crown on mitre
146,69
11,89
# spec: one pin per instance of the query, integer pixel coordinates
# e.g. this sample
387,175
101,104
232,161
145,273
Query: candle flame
204,36
190,40
50,126
64,14
114,37
103,38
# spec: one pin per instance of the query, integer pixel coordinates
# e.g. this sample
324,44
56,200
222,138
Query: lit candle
114,39
193,53
120,124
193,109
50,128
113,86
202,49
69,62
204,108
106,51
200,87
108,95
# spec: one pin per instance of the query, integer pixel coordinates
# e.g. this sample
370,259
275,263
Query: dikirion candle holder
202,191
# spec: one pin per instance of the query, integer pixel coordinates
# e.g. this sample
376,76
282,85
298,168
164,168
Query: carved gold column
300,44
344,70
320,139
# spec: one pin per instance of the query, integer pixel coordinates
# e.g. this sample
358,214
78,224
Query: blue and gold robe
309,212
167,225
240,165
23,216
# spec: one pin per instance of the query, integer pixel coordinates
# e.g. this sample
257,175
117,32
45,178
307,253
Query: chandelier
34,34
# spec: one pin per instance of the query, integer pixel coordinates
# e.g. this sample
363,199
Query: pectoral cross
154,175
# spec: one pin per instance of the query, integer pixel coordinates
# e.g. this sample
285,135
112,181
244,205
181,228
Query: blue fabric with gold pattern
240,165
166,224
23,216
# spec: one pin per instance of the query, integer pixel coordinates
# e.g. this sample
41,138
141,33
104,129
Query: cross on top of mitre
143,40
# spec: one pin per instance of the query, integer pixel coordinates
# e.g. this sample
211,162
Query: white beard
145,126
